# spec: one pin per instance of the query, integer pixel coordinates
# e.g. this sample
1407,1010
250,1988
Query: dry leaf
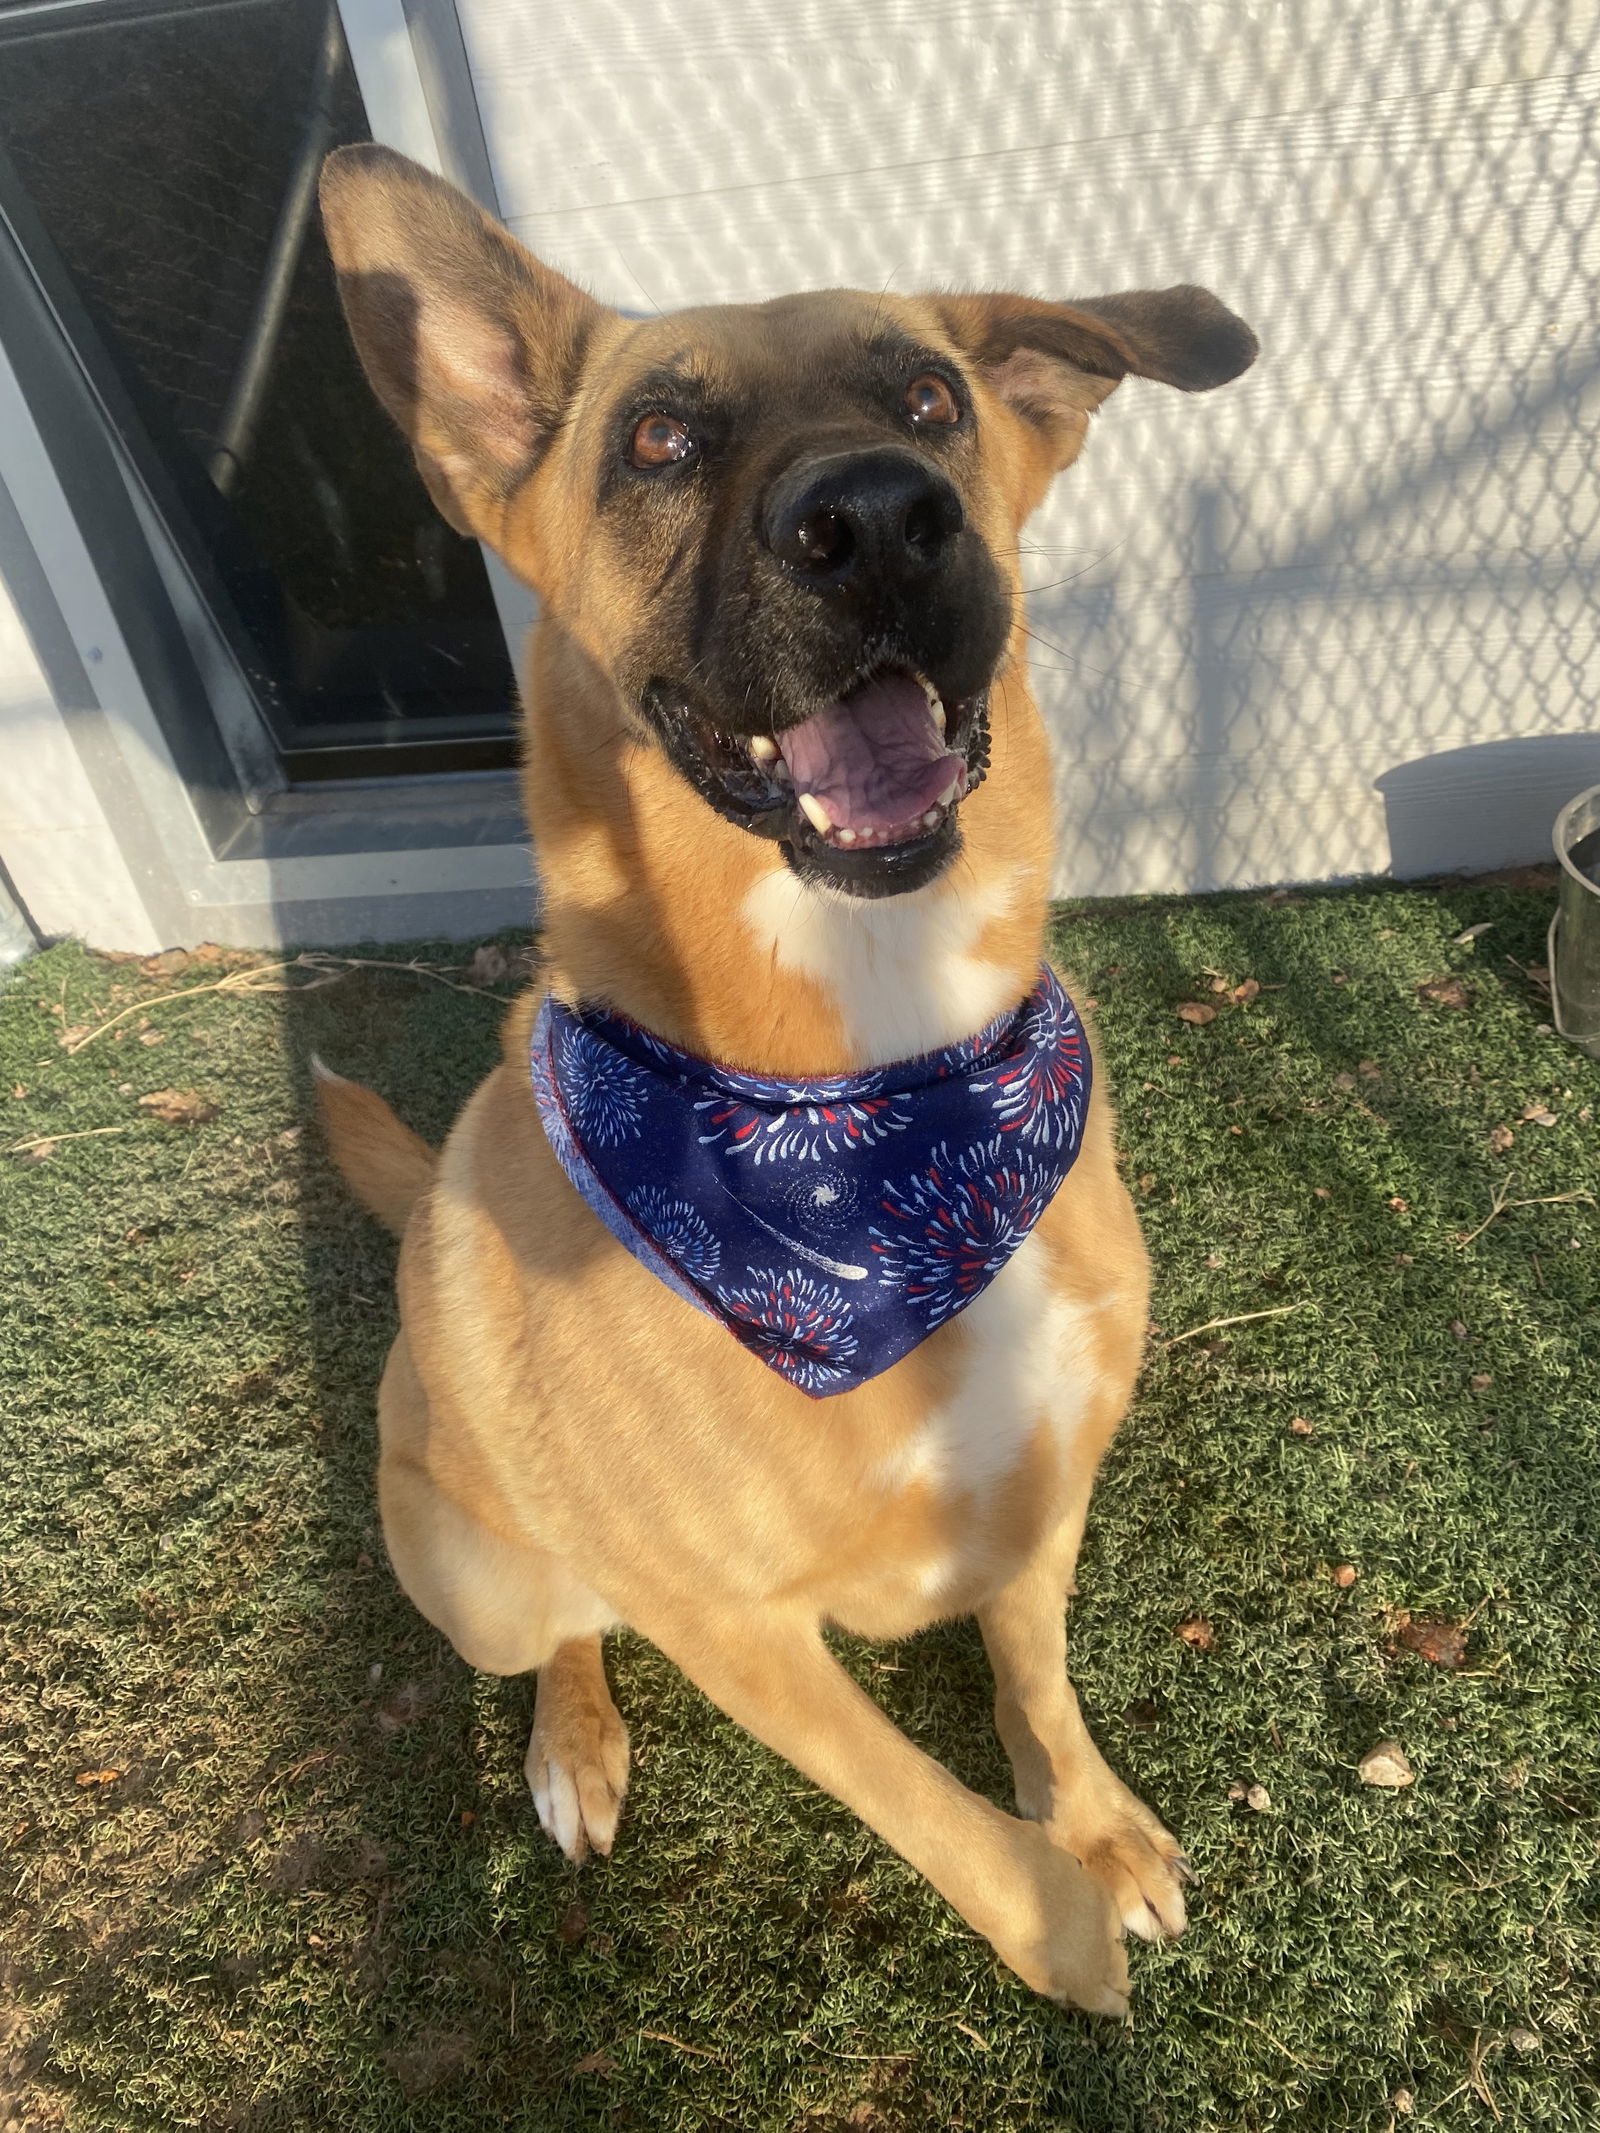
1174,1059
1219,985
1197,1633
1148,1182
1399,1204
1249,990
166,965
1441,1643
68,1038
1345,1576
1387,1765
151,1036
1259,1798
1445,992
1501,1139
1300,1427
1369,1070
596,2063
1322,1192
1403,2102
40,1152
179,1107
1539,1115
18,1092
1481,1381
1458,1328
489,965
1344,1081
573,1924
1237,1790
97,1777
1473,933
1196,1011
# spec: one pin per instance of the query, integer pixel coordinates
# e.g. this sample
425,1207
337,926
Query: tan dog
740,521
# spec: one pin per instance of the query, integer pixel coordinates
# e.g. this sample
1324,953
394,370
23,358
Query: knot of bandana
830,1224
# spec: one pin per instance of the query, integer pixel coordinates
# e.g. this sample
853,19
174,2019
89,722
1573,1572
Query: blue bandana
830,1224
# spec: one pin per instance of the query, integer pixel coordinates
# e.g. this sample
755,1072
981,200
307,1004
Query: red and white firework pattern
800,1326
949,1229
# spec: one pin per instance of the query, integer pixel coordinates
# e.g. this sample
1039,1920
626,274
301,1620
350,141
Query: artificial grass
314,1894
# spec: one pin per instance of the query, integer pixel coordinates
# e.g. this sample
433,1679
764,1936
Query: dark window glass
162,163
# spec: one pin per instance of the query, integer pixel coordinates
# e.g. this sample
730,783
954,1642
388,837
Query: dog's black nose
884,515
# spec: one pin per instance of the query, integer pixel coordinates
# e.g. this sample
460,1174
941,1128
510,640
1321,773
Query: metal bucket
1575,929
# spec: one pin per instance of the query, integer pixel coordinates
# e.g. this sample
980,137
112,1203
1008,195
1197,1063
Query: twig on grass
1503,1205
696,2051
1250,2023
1212,1324
89,1133
246,982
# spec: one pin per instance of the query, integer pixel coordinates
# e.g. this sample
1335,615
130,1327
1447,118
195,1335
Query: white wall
1379,547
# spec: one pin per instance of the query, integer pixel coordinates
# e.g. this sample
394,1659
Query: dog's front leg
1062,1779
1045,1916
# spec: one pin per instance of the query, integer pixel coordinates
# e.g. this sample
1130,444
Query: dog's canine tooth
950,792
815,813
762,747
931,818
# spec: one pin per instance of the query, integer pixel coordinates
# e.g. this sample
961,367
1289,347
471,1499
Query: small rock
1237,1790
1300,1427
1196,1011
1387,1765
1501,1139
1259,1798
1197,1633
1345,1576
1539,1115
1525,2040
1403,2103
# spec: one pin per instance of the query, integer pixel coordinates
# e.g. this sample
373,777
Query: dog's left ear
1055,363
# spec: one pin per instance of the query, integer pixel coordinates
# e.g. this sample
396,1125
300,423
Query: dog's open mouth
873,768
881,770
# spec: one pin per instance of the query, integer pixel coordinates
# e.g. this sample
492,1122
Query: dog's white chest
1029,1357
902,972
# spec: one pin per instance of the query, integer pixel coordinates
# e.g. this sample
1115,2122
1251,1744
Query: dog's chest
903,974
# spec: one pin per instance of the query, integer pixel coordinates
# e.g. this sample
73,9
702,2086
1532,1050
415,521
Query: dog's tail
385,1164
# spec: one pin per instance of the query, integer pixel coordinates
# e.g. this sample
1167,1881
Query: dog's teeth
815,813
937,710
762,748
846,835
950,792
931,818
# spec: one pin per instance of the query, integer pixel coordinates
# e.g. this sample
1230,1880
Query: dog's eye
929,399
660,441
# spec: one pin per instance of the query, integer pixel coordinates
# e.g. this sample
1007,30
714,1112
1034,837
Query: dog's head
785,532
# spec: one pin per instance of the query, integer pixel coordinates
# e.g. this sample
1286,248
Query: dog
791,800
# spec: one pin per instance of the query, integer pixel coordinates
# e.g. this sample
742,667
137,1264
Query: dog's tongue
875,759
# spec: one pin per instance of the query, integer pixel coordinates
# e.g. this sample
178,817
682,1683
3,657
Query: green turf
316,1895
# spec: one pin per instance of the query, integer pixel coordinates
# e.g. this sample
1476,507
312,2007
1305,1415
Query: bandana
830,1224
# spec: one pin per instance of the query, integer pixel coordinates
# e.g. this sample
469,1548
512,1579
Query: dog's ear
1055,363
471,343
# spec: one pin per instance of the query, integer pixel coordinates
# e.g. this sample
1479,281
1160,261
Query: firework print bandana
831,1224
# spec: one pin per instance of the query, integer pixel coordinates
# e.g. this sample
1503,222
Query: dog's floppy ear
471,343
1055,363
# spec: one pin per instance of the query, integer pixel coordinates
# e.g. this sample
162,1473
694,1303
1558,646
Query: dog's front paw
577,1771
1070,1947
1137,1861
